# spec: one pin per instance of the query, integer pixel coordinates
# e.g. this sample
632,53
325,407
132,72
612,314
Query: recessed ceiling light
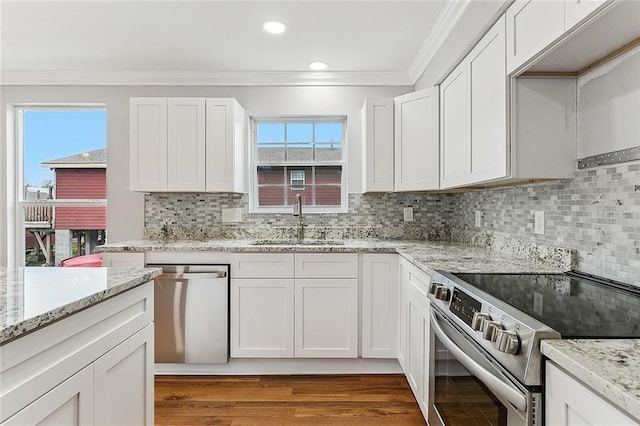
318,66
274,27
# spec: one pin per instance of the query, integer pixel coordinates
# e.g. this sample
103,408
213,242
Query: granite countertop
33,297
611,367
427,255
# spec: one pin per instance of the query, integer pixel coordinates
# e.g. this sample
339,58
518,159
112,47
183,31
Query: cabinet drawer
262,265
326,265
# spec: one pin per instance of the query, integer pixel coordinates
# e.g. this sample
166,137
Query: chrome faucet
297,211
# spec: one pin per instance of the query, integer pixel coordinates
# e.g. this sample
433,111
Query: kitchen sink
305,242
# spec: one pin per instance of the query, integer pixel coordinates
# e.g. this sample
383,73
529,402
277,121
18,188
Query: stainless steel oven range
485,361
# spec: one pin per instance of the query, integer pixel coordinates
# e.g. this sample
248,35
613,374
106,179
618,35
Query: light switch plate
232,215
538,226
478,218
408,214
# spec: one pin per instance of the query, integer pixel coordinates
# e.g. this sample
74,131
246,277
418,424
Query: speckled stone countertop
31,298
428,255
610,367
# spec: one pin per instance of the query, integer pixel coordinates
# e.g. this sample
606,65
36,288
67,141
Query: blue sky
53,134
299,132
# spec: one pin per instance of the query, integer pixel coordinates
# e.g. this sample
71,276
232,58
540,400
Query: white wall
125,219
609,106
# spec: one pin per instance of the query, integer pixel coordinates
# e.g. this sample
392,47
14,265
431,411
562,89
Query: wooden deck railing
38,214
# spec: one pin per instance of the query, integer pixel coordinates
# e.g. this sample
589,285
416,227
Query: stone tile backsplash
596,214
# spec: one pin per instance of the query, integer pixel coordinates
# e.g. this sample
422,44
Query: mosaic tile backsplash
597,214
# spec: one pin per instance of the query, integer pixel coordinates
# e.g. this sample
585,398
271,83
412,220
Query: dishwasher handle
192,275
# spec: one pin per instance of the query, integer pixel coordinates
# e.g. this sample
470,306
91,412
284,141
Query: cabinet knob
477,323
507,341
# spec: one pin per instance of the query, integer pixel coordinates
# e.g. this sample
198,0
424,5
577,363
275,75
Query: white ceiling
220,41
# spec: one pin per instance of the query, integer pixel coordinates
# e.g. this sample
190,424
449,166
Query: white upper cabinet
225,146
473,136
377,145
531,26
455,127
186,145
576,10
148,144
416,127
488,77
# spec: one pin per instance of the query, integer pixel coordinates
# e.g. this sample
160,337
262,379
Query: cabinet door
418,347
377,145
148,144
532,25
455,127
69,403
123,380
185,144
123,260
569,403
576,10
379,305
403,313
416,140
488,145
262,318
225,146
326,318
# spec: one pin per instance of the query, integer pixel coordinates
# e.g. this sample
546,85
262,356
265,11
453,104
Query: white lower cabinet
569,403
69,403
123,392
380,292
302,305
403,303
415,331
326,318
262,318
123,260
93,367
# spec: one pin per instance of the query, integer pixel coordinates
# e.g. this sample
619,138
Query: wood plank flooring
285,400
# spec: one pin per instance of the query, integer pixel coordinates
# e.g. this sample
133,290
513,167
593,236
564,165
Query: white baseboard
246,366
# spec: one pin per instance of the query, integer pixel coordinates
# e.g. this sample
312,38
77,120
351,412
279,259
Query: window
298,156
60,194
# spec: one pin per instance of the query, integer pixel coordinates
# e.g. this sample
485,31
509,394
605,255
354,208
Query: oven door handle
495,384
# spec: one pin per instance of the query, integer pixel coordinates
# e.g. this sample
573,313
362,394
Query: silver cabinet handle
192,275
499,387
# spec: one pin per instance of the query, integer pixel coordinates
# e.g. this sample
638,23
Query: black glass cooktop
575,305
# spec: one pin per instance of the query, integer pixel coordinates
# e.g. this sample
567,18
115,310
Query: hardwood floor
285,400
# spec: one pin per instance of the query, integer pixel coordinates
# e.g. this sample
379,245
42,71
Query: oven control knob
442,293
477,323
490,330
507,341
432,288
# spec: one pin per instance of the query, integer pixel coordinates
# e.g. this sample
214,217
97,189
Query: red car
94,259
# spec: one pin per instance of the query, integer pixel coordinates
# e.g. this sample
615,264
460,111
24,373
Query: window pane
328,195
328,175
328,152
299,177
271,175
300,152
270,132
306,194
271,142
300,132
329,132
271,196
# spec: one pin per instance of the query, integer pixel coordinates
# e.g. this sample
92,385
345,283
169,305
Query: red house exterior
81,184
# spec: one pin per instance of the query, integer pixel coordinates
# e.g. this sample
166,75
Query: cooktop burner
575,305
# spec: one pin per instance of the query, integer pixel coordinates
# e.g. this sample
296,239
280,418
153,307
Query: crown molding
447,20
157,78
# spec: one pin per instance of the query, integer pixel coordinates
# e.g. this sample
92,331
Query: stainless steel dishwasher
191,304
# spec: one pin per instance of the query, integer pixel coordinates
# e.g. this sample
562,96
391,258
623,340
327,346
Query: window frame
15,165
297,165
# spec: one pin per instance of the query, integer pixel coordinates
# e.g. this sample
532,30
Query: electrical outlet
231,215
478,218
408,214
538,226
